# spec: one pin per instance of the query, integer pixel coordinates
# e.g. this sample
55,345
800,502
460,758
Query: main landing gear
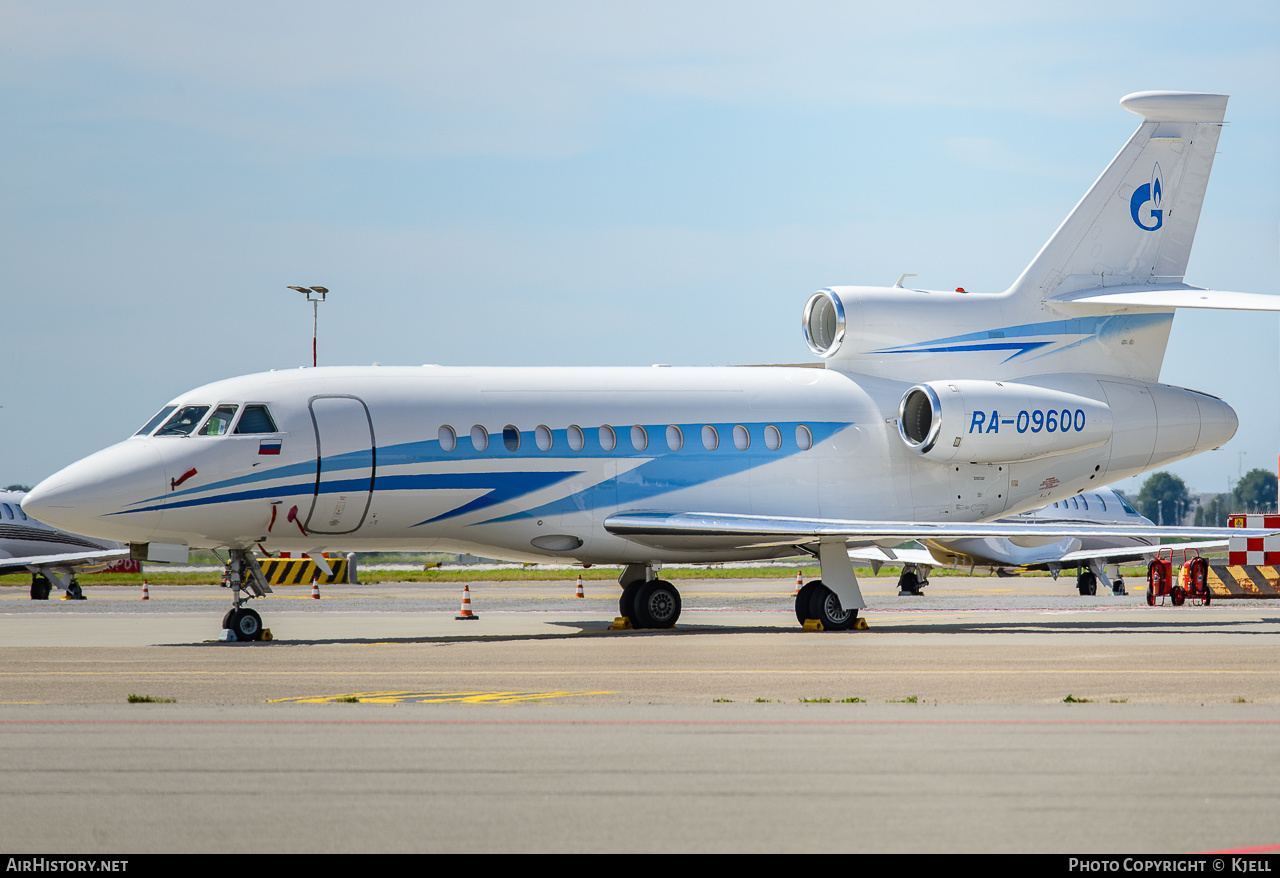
1087,579
816,601
651,603
244,577
42,586
913,579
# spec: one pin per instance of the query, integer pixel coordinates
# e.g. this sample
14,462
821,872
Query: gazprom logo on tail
1148,193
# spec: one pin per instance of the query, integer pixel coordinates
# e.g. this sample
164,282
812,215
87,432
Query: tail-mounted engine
998,421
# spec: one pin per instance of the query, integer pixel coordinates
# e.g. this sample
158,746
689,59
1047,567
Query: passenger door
345,464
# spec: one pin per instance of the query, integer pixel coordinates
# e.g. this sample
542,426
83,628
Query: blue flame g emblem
1148,193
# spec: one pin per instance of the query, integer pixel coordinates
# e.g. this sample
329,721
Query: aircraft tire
627,603
803,598
246,624
908,583
1087,583
825,607
657,604
40,587
74,592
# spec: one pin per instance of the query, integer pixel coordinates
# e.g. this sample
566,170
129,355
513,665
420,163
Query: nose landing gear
244,577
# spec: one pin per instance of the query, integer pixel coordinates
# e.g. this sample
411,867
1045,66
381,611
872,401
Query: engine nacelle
998,421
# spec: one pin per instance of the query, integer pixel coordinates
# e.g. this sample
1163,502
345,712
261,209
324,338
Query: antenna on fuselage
315,295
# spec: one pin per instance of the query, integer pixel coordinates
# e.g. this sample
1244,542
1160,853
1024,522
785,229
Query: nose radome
95,496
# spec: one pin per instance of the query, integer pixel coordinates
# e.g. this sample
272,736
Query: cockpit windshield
154,422
183,421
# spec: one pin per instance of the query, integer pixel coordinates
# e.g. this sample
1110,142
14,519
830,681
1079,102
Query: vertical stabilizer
1136,224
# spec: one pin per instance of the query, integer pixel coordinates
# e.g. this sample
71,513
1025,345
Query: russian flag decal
269,446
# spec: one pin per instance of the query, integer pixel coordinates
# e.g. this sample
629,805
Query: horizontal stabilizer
1137,298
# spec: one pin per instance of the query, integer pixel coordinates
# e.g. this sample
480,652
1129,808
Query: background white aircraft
1002,555
937,412
53,557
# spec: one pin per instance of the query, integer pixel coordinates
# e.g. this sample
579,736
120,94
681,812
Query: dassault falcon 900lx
935,414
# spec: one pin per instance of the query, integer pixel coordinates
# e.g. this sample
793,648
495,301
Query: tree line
1165,500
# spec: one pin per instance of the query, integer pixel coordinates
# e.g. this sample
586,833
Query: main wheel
803,598
1087,583
825,607
627,602
40,587
246,624
657,605
909,583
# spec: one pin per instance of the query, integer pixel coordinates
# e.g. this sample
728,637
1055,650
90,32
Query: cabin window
155,421
741,438
1102,501
543,437
608,438
479,438
1084,500
220,421
575,437
804,439
8,511
256,419
183,421
772,438
710,438
448,438
511,437
675,438
639,438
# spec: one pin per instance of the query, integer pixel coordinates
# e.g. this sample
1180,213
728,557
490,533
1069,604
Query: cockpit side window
154,422
183,421
1127,508
220,421
256,419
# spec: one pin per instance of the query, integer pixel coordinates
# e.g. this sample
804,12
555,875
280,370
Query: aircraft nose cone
94,496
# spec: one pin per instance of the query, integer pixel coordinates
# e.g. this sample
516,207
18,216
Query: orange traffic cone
146,595
466,613
580,594
315,588
799,582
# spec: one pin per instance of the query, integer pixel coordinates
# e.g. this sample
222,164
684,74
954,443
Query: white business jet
1053,551
936,413
51,556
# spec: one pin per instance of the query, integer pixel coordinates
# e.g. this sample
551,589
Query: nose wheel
244,623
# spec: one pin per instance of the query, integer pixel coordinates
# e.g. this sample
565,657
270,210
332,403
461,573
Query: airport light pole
315,295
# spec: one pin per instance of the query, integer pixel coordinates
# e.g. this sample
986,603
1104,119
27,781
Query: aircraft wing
702,530
1140,551
63,561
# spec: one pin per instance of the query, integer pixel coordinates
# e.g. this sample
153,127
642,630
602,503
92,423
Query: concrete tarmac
989,715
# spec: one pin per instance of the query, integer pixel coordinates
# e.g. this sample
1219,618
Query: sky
575,183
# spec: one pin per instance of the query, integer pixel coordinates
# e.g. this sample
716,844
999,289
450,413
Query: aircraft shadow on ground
602,629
